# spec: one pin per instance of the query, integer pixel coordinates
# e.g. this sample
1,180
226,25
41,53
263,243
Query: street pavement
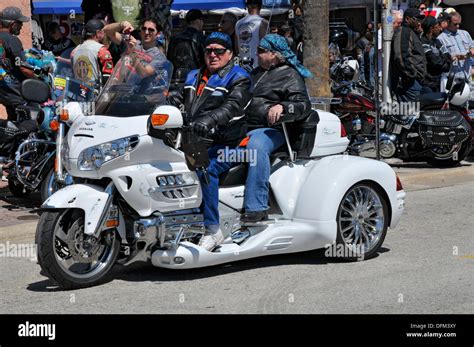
425,266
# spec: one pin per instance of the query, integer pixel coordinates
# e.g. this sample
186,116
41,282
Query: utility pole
316,41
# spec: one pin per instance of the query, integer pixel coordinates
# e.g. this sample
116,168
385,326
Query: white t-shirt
248,37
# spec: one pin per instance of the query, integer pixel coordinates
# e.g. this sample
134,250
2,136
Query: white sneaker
210,241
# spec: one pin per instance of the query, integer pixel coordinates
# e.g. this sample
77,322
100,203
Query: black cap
93,25
254,3
444,16
428,23
413,13
13,13
193,15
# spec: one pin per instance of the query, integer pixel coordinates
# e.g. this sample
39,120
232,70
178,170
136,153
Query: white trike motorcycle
140,196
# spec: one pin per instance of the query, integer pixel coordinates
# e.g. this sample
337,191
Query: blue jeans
262,142
210,193
409,91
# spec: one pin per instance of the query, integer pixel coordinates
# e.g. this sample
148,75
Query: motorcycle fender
332,177
89,198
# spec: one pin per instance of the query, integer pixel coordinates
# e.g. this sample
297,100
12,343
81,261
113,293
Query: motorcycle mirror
35,90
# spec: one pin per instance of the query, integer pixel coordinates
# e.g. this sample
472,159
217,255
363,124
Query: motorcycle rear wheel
446,160
362,221
68,256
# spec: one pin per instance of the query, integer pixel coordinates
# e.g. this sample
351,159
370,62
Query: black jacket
437,62
186,53
408,55
224,98
281,85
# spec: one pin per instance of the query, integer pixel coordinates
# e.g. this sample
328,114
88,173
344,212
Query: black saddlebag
443,127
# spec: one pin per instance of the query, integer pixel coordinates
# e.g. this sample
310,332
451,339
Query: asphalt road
425,266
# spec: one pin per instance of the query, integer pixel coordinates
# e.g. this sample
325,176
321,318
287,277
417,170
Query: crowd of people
426,46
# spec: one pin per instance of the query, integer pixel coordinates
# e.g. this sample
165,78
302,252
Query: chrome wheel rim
76,253
54,185
444,152
361,219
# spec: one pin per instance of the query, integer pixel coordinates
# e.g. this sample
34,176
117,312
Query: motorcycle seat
432,99
236,176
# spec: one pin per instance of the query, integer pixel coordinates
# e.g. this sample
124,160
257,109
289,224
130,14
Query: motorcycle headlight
93,158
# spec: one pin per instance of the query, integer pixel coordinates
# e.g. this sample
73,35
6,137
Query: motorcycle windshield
65,87
138,84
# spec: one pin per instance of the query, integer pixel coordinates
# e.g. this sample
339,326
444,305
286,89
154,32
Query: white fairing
91,199
175,119
328,136
135,174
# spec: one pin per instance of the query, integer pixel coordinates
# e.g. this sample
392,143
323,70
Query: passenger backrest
306,136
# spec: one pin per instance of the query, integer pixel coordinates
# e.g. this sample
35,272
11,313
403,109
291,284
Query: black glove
203,125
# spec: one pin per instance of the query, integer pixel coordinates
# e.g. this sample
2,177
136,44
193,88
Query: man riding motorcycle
214,98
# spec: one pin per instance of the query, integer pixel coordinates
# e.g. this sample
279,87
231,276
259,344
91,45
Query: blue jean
210,193
263,141
409,90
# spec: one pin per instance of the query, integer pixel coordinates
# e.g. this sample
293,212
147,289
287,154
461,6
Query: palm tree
316,38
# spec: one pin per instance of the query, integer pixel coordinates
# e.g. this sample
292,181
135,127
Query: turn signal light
54,125
158,120
343,131
64,115
399,184
112,223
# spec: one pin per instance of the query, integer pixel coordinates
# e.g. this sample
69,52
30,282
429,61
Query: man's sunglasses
150,30
217,51
261,50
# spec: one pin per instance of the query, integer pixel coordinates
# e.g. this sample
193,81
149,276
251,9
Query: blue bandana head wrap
277,43
220,38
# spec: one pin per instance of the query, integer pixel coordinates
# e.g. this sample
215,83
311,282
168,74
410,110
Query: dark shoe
254,217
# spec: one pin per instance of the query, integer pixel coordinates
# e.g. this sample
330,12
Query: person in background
444,18
438,59
56,42
146,58
408,59
11,52
250,30
91,61
227,26
186,49
459,44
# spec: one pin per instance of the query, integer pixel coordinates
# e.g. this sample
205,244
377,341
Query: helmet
458,91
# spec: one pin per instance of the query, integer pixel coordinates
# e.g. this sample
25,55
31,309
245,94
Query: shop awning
207,4
57,7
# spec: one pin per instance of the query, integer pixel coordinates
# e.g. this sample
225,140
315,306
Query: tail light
399,184
343,131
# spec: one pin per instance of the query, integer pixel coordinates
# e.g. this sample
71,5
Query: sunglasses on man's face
261,50
150,30
216,51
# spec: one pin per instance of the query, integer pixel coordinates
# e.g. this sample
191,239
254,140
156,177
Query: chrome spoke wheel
80,255
361,219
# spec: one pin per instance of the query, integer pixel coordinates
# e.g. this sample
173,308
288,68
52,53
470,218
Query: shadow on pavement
145,272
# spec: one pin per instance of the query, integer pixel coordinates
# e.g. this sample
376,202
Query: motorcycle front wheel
50,185
69,257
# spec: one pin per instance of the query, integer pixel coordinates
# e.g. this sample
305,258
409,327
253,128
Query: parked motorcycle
33,167
142,196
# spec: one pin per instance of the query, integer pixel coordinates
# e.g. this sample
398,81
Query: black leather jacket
281,85
224,98
437,62
186,53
